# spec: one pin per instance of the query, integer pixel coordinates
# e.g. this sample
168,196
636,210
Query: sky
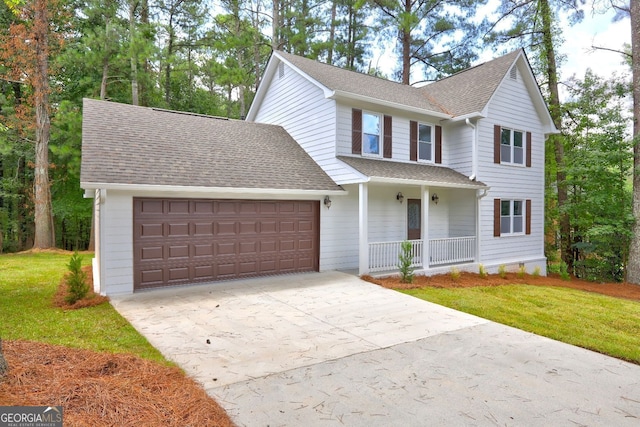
596,29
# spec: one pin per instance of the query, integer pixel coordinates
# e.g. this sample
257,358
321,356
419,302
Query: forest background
207,57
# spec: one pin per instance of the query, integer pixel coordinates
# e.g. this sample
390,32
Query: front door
414,232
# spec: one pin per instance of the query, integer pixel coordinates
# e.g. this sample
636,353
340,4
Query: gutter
339,94
88,186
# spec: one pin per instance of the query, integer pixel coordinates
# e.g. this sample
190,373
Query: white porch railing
452,250
383,256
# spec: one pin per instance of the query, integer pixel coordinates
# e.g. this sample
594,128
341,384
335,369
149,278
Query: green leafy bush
522,271
564,273
482,271
76,280
405,260
502,271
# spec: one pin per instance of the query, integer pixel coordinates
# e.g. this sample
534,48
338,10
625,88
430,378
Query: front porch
383,256
440,222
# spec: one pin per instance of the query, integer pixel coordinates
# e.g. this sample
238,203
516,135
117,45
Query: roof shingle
431,174
125,144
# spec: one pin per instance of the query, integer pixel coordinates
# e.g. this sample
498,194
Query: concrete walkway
327,349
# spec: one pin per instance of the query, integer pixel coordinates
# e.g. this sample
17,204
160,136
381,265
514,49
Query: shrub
502,271
522,271
76,280
482,271
536,271
405,260
455,273
564,273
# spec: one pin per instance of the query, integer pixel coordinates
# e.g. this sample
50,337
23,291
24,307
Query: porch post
363,227
425,226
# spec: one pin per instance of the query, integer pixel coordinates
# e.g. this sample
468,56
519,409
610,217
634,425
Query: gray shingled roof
339,79
434,175
124,144
470,90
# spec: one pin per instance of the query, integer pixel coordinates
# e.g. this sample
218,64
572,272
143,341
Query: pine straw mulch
466,280
89,301
100,389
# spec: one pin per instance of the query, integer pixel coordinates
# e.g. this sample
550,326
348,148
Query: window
511,146
425,142
511,217
370,134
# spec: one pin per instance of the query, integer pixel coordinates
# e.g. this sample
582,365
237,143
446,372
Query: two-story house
332,170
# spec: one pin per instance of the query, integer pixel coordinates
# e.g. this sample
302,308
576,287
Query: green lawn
27,285
604,324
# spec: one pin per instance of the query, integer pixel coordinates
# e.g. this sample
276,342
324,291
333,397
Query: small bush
455,273
564,273
76,280
536,271
502,271
522,271
482,271
405,260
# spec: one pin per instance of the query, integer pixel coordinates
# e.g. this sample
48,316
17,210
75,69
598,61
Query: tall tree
437,34
27,50
633,271
599,162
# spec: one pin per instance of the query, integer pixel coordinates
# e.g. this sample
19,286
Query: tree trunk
405,34
556,140
133,52
43,215
275,25
332,32
633,267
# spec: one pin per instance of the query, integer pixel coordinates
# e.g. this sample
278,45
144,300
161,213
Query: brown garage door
182,241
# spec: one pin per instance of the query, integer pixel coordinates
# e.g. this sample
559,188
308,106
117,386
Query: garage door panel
178,229
248,227
225,228
181,241
152,253
268,226
203,229
178,251
287,226
203,250
150,230
177,207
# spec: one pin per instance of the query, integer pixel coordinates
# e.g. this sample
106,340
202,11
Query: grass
28,283
604,324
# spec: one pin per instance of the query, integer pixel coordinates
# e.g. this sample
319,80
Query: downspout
480,194
474,160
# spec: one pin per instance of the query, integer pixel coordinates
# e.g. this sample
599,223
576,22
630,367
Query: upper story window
511,147
425,142
512,150
371,134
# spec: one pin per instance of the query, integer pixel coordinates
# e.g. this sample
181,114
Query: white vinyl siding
301,108
511,107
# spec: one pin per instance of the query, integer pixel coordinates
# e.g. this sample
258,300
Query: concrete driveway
327,349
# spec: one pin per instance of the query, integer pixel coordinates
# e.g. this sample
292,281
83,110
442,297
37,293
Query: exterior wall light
400,197
435,198
327,202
